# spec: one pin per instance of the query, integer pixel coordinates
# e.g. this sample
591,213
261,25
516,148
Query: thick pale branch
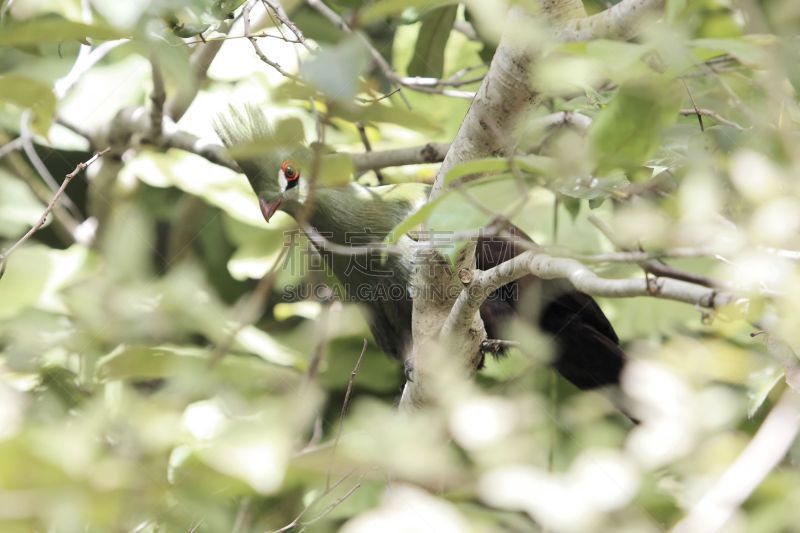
482,283
620,21
427,153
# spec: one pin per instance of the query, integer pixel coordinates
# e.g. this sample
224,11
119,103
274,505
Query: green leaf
224,8
674,8
217,185
36,274
335,70
478,166
629,130
30,94
53,30
572,205
391,114
748,50
428,58
488,197
290,132
759,385
414,219
155,362
20,208
336,170
385,8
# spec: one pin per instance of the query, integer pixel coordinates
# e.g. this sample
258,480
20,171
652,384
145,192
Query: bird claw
408,369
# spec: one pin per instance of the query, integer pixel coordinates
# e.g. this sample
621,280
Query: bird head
273,167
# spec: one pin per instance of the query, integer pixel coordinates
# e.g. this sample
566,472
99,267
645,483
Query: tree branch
620,21
759,458
157,98
490,128
427,153
482,283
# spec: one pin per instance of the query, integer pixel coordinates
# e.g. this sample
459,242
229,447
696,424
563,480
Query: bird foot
496,347
408,369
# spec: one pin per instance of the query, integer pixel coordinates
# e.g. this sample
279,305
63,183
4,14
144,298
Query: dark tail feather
588,353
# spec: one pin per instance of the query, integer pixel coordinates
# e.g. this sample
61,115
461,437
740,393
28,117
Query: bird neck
354,215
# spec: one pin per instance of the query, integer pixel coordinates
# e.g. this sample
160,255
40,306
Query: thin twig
325,512
319,349
296,521
51,205
694,106
702,112
259,35
378,58
343,412
38,164
254,41
362,132
654,266
283,17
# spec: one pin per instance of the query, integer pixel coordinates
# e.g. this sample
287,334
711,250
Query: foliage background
112,418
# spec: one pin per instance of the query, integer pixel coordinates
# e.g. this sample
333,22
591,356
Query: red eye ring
290,171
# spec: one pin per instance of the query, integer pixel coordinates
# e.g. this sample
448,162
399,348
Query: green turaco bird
587,348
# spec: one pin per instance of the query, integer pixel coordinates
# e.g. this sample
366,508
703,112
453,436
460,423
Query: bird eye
291,173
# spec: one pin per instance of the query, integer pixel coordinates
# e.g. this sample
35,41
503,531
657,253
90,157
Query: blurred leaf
621,61
591,187
35,274
377,373
486,198
467,168
128,242
336,170
336,68
123,15
476,167
759,385
52,30
749,50
258,455
219,186
20,209
290,132
257,342
30,94
673,9
172,361
380,112
572,205
224,8
428,59
385,8
628,131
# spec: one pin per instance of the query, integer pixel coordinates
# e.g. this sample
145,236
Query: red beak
268,208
